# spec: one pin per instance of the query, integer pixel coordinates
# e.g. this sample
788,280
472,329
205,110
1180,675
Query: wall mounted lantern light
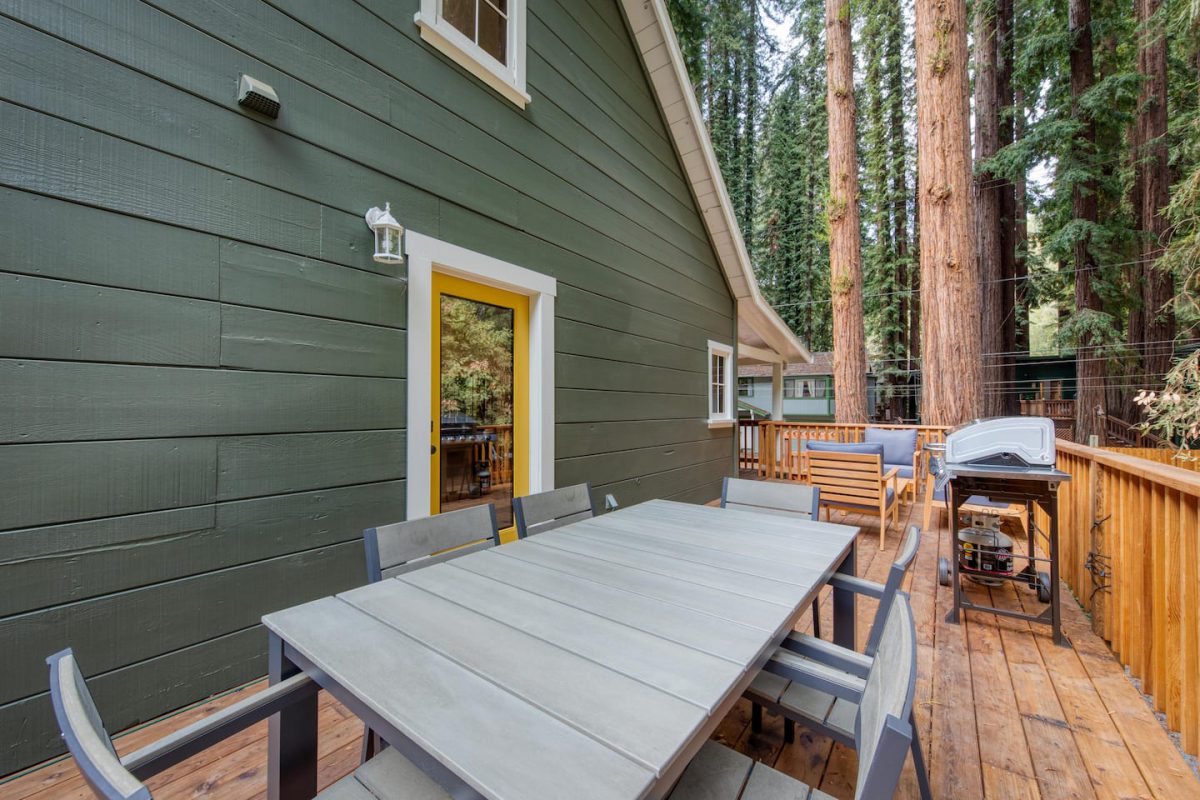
388,235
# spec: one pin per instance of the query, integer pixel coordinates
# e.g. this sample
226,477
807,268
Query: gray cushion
903,470
898,445
873,448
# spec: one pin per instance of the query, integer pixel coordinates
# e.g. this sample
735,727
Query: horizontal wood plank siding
203,371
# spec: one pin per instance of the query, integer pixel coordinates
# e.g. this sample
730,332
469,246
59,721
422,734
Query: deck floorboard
1003,713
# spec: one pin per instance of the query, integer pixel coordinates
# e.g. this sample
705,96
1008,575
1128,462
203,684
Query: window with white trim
720,383
485,37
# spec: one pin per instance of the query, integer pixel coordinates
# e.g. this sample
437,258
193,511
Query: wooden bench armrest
202,734
890,475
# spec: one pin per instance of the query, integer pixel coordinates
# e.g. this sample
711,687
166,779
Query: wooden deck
1002,711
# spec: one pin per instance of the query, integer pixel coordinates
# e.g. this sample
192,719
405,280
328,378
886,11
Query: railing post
1099,556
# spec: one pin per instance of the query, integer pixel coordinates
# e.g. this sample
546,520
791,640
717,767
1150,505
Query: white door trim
425,256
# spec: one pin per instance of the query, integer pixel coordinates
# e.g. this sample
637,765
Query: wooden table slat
717,636
749,611
586,695
679,670
465,721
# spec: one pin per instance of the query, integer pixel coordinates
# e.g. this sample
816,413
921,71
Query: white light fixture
388,235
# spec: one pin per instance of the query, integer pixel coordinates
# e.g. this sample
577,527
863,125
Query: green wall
202,371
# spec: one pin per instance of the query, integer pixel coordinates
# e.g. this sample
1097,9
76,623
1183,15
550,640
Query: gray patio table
593,660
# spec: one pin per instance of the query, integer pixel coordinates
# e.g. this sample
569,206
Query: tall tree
950,350
1089,366
845,255
793,251
989,223
1152,182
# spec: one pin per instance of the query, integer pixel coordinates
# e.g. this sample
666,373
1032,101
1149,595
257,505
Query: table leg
844,633
292,748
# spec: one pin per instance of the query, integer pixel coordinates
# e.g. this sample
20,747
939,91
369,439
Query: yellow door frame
444,284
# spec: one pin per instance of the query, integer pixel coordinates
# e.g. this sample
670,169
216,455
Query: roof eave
663,61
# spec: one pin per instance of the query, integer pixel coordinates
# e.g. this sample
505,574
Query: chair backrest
883,730
797,500
546,511
905,557
84,734
899,444
404,546
846,477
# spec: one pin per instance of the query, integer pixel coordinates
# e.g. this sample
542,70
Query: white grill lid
1003,441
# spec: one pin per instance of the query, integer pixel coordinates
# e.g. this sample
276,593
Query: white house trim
427,255
663,61
727,417
508,80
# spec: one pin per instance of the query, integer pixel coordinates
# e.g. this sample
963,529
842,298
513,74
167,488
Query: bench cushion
898,445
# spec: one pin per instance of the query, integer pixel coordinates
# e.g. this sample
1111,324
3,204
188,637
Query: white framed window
745,387
804,388
720,384
485,37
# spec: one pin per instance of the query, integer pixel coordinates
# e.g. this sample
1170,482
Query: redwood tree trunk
1006,47
845,252
1089,368
950,375
1154,181
989,237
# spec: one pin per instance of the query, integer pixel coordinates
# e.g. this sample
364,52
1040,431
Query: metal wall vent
257,96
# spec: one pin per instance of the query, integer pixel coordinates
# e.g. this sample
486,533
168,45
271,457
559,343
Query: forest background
1086,142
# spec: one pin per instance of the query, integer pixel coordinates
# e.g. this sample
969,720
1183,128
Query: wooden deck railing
498,452
1129,531
1055,409
1130,549
778,443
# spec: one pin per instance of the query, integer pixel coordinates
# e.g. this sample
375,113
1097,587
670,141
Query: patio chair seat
902,470
803,703
387,776
719,773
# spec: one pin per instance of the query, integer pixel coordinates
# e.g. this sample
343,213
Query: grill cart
1006,460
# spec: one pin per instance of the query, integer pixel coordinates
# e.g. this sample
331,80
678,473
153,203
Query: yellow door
480,398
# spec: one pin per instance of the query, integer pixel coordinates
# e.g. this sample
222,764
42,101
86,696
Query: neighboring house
806,388
210,387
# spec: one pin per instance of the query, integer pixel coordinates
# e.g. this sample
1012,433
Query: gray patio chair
883,733
546,511
388,776
795,500
804,654
404,546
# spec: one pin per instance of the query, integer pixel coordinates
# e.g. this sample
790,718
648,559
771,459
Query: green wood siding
202,371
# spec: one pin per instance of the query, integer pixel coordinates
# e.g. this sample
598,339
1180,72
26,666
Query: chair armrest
816,675
202,734
856,585
829,654
890,475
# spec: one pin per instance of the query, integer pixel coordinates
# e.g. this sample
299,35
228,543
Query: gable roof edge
663,61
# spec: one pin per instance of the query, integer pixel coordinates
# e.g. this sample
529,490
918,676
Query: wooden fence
1187,459
780,455
1130,547
1129,531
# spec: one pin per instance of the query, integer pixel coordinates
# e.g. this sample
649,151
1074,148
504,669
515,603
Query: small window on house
818,387
485,37
720,394
745,387
791,387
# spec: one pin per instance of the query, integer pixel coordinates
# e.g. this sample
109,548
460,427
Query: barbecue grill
1008,460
